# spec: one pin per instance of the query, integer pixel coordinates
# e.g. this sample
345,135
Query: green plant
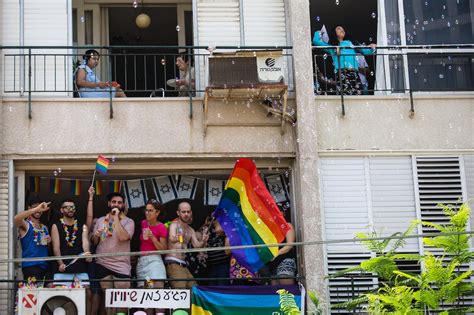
287,303
441,281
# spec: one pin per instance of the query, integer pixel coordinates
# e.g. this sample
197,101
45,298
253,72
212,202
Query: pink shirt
158,231
111,244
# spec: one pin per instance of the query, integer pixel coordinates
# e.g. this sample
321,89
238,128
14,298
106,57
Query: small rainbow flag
249,216
115,186
55,185
35,183
98,187
75,187
102,164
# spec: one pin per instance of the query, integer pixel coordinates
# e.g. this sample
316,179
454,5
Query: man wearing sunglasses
71,237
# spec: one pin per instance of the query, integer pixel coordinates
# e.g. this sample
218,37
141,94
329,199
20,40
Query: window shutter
393,197
344,199
4,235
469,173
218,22
439,181
264,22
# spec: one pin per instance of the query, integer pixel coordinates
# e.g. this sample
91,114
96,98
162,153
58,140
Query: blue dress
97,92
348,54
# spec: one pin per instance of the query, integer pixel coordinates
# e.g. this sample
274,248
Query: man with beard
34,238
180,234
112,234
71,238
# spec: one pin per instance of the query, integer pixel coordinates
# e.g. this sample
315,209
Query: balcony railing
395,70
141,71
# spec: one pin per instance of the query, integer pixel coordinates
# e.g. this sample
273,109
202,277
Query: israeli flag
135,193
165,189
278,187
213,191
186,187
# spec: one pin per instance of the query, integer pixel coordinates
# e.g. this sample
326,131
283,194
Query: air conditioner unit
51,301
246,68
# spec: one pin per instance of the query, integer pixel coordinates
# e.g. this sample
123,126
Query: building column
307,175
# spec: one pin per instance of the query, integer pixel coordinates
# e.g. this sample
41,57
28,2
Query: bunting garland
98,187
165,188
55,185
35,184
76,187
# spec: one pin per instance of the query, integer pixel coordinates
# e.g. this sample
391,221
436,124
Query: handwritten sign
148,298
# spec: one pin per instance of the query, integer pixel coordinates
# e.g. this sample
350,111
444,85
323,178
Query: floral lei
36,232
70,239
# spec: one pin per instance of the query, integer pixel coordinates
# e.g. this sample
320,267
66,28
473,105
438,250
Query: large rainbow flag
249,216
239,300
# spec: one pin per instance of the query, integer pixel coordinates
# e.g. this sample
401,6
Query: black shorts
101,272
38,272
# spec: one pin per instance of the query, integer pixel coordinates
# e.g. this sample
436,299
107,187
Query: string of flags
165,188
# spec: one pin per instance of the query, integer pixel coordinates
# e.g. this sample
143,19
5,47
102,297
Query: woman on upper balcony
88,82
344,59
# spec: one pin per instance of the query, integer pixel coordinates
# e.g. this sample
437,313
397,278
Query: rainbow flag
55,185
115,186
35,183
98,187
249,216
75,187
238,300
102,164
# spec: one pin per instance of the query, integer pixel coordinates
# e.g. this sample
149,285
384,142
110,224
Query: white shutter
439,181
264,22
344,199
46,25
10,35
218,22
393,197
4,235
469,173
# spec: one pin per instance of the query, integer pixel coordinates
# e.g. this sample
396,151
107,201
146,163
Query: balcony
396,70
45,115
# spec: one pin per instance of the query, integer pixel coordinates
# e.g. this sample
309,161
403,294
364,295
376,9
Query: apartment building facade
353,163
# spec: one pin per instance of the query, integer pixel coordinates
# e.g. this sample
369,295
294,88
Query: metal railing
141,71
401,70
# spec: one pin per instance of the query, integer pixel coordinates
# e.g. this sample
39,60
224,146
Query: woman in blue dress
88,82
344,59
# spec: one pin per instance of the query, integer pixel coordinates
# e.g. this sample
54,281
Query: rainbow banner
75,187
115,186
249,216
55,185
98,187
35,183
238,300
102,164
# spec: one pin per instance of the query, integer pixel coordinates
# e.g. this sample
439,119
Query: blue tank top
33,248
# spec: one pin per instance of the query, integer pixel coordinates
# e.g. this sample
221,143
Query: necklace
37,238
108,228
70,239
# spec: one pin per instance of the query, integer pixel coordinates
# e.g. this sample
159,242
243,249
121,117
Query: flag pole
93,177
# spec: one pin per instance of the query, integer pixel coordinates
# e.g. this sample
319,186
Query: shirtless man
180,234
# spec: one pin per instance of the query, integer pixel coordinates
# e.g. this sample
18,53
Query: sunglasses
69,207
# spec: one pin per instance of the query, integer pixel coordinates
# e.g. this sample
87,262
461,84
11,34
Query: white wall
441,122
